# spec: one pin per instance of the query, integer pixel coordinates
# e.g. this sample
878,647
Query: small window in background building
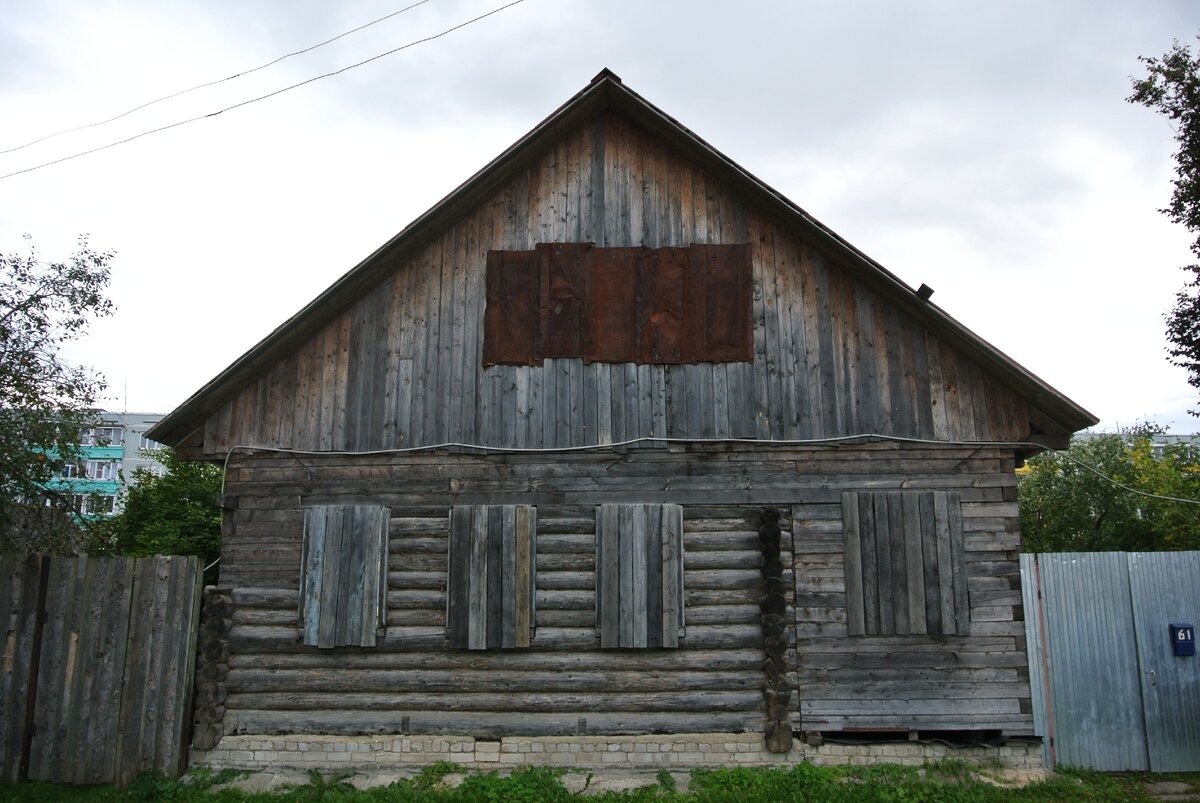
101,504
146,443
102,436
70,470
102,469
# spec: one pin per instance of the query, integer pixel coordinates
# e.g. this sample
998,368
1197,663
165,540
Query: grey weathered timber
342,598
490,603
639,560
99,682
582,511
908,572
814,374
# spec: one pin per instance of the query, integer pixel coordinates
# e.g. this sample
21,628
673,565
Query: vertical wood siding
402,367
111,674
917,682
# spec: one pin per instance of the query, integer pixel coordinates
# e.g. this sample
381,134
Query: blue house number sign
1183,638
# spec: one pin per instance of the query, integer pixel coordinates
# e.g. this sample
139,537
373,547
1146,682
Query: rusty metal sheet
719,315
562,280
610,314
511,324
650,306
661,309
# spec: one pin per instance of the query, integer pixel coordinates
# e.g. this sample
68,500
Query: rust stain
617,305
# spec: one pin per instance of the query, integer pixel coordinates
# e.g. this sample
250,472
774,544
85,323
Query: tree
173,513
1172,88
1066,506
44,401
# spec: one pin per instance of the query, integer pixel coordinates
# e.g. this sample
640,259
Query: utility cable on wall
865,437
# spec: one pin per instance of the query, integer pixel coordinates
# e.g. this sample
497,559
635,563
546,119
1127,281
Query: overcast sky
983,148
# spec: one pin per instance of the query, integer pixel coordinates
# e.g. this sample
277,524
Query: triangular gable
873,337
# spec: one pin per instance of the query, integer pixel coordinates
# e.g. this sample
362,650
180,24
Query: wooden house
616,439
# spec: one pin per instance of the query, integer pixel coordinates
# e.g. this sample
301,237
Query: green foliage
524,785
945,781
44,402
174,513
1171,87
321,787
1067,507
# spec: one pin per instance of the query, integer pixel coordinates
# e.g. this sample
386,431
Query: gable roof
1051,412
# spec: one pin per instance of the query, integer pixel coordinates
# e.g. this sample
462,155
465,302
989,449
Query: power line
168,127
214,83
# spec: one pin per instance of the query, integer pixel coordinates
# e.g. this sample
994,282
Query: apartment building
112,450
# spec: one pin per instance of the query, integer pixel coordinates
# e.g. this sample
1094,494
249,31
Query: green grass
944,781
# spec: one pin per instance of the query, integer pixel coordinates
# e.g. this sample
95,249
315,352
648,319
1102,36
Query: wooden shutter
639,575
493,556
343,576
905,565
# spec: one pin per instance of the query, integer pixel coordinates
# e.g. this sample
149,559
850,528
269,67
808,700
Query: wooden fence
98,663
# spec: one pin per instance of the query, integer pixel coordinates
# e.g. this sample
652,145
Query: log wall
411,682
402,367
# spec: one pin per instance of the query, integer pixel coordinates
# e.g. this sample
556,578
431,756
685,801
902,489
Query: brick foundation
679,751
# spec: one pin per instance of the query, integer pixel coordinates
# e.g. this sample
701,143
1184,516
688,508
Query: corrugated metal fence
99,655
1108,691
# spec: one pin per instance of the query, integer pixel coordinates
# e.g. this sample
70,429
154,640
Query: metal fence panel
1094,683
1165,588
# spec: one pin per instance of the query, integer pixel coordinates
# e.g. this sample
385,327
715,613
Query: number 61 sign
1183,638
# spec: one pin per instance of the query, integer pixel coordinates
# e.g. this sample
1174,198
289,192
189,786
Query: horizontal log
566,581
697,702
740,660
498,681
261,638
897,705
910,690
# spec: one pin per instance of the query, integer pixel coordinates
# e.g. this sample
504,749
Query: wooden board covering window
343,577
639,305
490,604
639,575
904,562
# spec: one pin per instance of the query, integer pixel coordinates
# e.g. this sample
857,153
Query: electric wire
865,437
207,84
272,94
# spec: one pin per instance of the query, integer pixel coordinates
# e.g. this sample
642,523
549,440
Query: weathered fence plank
106,669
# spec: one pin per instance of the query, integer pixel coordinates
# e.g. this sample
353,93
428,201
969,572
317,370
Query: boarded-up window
644,305
511,332
905,567
639,575
493,556
343,578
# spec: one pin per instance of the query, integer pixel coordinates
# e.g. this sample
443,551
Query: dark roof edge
604,91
